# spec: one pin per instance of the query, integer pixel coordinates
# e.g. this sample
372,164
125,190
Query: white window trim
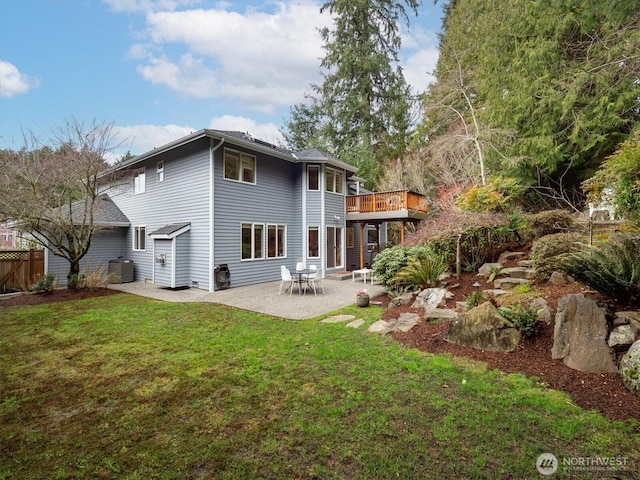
241,156
315,167
336,173
317,229
253,241
136,236
139,181
284,249
160,171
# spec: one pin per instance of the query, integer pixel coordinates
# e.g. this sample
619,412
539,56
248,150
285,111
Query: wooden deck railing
386,202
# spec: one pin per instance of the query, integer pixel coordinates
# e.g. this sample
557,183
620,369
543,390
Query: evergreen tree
562,76
361,112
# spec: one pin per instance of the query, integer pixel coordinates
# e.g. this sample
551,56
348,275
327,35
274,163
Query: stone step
520,272
493,292
339,276
505,256
510,282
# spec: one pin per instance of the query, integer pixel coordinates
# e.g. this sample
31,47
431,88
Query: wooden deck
387,206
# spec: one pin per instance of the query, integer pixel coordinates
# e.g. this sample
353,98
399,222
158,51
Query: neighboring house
9,238
219,201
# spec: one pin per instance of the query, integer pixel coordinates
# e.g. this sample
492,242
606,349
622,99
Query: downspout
212,152
305,226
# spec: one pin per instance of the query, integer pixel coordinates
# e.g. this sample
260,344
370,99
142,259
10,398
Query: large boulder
431,298
484,328
630,368
580,335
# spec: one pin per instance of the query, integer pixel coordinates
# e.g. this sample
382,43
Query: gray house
217,208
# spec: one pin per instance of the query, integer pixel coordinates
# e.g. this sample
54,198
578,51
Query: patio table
300,273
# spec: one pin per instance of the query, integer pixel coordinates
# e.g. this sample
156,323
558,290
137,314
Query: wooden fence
19,269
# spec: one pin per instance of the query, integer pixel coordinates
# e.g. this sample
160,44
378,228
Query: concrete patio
263,297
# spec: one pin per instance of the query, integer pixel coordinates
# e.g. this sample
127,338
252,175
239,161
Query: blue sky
160,69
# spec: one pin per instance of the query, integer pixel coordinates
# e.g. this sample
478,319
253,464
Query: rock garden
521,312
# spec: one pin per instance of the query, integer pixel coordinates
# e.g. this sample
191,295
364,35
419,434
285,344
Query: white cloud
139,139
420,58
418,68
262,59
12,82
268,132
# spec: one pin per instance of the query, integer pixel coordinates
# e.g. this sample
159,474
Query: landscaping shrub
96,277
422,273
538,225
473,299
483,236
75,281
496,196
523,318
45,284
612,268
390,260
546,250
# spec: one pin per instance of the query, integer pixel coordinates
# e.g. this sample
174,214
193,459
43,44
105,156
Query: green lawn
126,387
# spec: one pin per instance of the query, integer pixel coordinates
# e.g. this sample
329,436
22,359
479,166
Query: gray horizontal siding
183,196
183,252
108,244
274,199
162,273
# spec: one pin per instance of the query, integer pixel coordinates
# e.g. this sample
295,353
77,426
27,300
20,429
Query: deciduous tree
50,189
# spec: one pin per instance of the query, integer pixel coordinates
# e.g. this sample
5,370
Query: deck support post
361,244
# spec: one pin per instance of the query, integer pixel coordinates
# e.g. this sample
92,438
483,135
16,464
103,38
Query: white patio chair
285,277
314,279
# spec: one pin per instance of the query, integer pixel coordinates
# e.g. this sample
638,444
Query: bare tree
51,189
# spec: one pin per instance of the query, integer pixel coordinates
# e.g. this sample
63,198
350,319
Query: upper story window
139,182
239,166
160,171
313,177
333,180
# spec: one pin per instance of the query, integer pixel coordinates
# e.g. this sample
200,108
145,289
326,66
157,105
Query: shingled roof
105,212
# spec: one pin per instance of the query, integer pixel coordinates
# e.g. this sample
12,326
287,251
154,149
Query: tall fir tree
361,112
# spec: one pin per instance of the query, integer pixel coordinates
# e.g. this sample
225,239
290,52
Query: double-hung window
139,182
140,238
333,180
276,241
252,241
239,166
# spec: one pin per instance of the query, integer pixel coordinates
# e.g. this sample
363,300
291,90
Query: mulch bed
604,392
